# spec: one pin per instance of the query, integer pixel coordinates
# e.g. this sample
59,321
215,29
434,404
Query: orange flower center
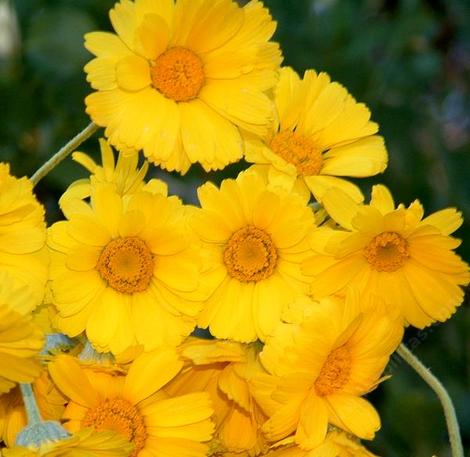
178,74
250,255
120,416
298,150
334,373
387,252
126,264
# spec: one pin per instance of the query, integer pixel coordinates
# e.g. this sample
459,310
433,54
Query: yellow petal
124,19
287,97
447,220
440,300
65,370
327,106
105,44
354,414
249,109
382,199
214,25
108,313
319,186
152,36
364,157
133,73
340,206
149,373
313,423
101,73
207,137
183,410
284,421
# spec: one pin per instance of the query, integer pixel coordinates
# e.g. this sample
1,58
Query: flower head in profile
182,79
126,270
23,253
391,252
224,369
320,135
135,406
255,239
319,370
85,443
124,174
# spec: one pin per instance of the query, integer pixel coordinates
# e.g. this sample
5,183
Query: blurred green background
409,60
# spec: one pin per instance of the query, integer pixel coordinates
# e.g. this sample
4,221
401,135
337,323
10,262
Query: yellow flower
12,412
126,270
392,253
85,443
318,372
336,444
20,343
224,369
255,239
23,236
134,405
320,134
182,79
125,176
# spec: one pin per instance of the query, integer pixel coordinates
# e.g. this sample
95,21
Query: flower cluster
304,289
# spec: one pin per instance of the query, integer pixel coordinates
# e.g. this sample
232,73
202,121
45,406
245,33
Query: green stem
60,155
30,404
441,392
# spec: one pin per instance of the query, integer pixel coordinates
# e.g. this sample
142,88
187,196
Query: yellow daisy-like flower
124,175
318,373
255,239
320,135
134,405
182,79
126,271
224,369
392,253
13,418
20,339
336,444
23,235
85,443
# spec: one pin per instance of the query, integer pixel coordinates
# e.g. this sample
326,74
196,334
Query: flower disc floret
387,251
127,265
178,74
250,255
121,416
335,372
299,150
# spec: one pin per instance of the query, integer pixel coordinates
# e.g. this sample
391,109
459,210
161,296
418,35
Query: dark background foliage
409,60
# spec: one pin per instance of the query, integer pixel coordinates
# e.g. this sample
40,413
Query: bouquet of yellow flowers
252,324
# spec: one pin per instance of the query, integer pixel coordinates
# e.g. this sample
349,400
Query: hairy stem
66,150
444,398
30,404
